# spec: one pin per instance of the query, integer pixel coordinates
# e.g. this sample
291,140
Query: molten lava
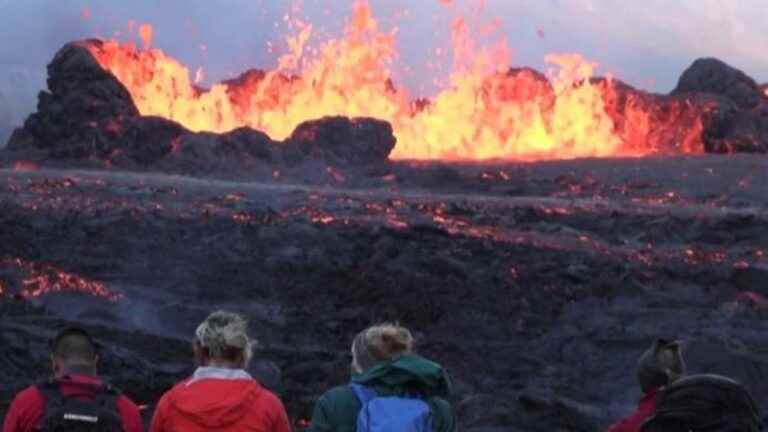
487,111
42,279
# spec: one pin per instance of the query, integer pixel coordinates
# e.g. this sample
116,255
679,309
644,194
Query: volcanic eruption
488,110
536,228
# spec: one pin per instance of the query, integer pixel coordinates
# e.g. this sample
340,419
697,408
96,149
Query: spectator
659,366
391,388
74,398
220,395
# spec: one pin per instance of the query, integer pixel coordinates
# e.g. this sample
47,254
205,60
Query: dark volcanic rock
74,116
737,115
752,278
87,114
246,141
738,131
148,139
710,75
339,140
538,304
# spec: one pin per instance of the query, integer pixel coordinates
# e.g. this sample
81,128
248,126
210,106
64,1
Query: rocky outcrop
81,113
713,76
339,141
737,107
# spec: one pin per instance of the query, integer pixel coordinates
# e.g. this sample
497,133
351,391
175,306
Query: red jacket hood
214,403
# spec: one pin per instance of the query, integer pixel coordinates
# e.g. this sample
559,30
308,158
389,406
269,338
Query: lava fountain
487,111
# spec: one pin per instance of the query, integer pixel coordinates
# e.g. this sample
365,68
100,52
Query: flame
145,32
485,111
25,166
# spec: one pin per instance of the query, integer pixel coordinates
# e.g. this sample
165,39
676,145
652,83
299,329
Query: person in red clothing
220,395
74,360
660,365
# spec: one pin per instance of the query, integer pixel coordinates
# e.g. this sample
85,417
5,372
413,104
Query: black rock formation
81,113
738,109
713,76
341,141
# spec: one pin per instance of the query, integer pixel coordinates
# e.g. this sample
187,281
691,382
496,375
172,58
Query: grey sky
646,43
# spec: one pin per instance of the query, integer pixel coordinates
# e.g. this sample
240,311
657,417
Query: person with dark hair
74,398
660,365
220,395
392,389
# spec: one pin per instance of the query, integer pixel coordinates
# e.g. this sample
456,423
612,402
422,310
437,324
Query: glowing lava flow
44,279
487,110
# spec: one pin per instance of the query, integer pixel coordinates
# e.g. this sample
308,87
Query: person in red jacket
220,395
74,360
660,365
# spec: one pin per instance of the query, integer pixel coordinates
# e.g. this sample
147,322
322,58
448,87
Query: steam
646,43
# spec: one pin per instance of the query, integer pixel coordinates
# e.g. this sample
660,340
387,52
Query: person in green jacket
383,358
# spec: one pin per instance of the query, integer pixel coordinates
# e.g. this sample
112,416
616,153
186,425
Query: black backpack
70,414
705,403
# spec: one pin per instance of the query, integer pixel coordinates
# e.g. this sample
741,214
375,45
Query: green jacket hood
409,371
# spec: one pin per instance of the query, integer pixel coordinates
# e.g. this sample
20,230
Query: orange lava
486,111
25,166
43,279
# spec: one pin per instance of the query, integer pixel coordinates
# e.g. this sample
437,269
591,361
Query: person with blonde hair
220,395
391,389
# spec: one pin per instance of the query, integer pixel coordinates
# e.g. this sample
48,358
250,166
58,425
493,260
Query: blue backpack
391,413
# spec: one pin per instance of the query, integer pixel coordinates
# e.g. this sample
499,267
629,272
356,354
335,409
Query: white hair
223,331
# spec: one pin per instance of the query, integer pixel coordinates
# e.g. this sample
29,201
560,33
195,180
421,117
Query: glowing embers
25,166
486,110
35,280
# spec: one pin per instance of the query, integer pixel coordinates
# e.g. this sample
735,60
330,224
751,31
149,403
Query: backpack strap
363,393
54,399
105,394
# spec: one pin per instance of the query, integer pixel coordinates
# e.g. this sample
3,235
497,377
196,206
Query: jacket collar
211,372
